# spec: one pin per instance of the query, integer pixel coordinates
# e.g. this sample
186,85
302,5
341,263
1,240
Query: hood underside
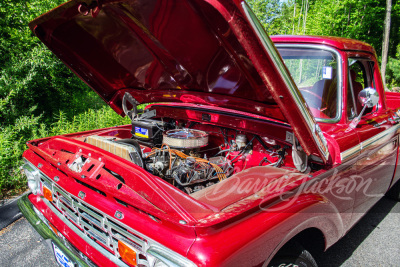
192,51
164,50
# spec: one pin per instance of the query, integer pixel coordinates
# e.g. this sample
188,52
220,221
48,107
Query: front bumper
46,233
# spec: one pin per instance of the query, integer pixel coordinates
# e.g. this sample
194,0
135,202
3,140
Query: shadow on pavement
344,248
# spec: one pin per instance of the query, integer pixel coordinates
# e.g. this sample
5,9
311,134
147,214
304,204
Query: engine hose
263,143
264,160
222,151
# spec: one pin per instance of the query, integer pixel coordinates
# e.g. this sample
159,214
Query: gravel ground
374,241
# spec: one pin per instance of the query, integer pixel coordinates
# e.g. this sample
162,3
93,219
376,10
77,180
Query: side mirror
368,98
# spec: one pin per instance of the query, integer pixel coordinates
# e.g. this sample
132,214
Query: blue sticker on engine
142,132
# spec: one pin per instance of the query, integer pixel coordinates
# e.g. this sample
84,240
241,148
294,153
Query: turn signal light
127,253
47,193
53,228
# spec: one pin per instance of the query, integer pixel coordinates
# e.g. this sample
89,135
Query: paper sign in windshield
327,72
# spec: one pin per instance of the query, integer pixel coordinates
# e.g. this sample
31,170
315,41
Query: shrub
35,85
13,138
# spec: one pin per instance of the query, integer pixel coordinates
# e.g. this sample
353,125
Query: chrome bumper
41,227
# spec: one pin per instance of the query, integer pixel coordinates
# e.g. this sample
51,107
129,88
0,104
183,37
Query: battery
148,132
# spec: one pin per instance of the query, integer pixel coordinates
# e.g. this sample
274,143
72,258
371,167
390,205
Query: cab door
378,138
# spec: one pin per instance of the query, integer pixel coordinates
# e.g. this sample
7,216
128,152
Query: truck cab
330,73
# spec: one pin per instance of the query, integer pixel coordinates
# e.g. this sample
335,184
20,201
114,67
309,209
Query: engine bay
193,155
192,159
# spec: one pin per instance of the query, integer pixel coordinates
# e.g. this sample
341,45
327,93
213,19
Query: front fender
329,224
254,239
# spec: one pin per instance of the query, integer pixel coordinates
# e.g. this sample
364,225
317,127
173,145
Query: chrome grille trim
89,221
86,238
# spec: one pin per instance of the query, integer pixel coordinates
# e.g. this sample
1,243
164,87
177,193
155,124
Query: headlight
33,176
167,258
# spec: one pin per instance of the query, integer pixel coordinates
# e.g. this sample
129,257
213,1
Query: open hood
195,51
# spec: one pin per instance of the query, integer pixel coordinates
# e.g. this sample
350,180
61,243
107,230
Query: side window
360,76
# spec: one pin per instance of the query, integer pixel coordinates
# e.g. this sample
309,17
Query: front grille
93,223
100,231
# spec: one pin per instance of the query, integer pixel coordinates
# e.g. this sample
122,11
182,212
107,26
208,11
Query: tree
267,11
385,43
361,20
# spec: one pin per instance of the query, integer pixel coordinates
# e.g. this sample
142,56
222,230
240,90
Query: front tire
293,256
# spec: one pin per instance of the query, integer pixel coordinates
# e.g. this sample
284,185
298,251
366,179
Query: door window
360,76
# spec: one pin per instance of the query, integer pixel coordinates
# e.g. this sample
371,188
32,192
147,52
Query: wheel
394,192
293,255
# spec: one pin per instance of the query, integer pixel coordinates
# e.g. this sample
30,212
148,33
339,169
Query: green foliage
38,84
35,85
267,11
32,80
361,20
91,119
393,70
13,138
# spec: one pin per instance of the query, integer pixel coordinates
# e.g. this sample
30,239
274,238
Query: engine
179,161
193,155
189,155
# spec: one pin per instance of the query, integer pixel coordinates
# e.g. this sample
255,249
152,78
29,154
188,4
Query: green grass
13,139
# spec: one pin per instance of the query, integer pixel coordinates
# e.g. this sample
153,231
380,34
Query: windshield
315,74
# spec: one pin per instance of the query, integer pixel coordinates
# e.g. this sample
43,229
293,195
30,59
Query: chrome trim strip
269,48
379,136
347,154
339,74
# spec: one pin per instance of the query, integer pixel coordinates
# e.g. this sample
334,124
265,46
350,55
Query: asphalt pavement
374,241
9,211
20,245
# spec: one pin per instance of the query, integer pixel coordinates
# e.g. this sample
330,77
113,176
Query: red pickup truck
255,151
